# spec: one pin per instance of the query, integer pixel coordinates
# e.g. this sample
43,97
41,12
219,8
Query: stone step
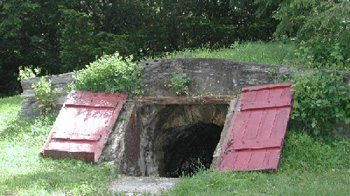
142,185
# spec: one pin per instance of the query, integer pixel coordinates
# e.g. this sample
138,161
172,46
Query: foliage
321,100
28,36
28,72
30,130
325,36
110,73
179,82
61,35
77,40
45,96
321,28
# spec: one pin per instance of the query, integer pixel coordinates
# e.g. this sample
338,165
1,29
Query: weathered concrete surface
142,185
208,76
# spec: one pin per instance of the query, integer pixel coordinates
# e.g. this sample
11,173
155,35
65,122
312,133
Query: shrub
321,100
28,72
326,35
45,96
110,73
179,82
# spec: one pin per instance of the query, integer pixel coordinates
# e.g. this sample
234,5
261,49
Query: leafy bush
28,72
45,96
321,100
110,73
179,82
325,36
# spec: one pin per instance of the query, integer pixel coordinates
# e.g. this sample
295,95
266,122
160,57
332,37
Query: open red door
83,125
255,137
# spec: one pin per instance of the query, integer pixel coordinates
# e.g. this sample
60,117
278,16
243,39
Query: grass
308,167
24,172
9,108
275,53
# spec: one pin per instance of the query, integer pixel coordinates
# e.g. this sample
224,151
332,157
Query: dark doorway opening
174,139
188,149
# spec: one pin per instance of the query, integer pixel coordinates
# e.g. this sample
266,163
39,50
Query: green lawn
308,167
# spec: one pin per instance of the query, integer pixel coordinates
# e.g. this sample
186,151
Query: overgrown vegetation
9,108
110,73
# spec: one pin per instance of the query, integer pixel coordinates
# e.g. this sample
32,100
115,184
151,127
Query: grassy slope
23,172
275,53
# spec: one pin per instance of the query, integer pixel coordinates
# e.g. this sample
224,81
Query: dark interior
188,149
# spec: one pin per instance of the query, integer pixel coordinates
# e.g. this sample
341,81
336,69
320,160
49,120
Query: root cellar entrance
170,140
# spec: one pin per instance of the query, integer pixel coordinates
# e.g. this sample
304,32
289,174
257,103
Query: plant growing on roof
179,82
110,73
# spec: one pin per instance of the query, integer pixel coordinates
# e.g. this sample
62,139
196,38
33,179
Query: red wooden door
83,125
255,137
